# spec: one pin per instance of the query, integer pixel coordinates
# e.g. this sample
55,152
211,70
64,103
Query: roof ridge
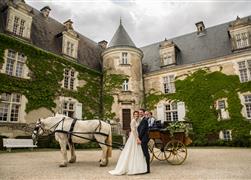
194,32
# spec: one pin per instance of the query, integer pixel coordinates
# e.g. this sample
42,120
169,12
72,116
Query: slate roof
44,33
193,48
121,38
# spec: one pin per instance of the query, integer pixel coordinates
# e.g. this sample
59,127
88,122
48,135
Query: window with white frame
221,104
227,135
15,63
70,44
18,26
245,70
247,101
69,109
168,84
10,107
124,59
125,85
242,40
171,112
222,108
19,20
69,79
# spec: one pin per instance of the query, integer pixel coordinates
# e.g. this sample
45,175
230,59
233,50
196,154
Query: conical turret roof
121,38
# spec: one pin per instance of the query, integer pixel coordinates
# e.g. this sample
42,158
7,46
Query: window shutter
181,111
161,112
78,110
224,114
221,135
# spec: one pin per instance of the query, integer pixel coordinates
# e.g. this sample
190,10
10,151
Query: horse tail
109,142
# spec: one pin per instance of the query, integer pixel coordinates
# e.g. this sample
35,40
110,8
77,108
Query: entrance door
126,117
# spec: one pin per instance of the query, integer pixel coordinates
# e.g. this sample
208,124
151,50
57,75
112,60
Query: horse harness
71,129
71,133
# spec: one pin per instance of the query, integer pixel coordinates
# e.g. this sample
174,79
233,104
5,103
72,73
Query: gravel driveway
201,163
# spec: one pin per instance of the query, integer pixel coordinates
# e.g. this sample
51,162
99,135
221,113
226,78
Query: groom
143,137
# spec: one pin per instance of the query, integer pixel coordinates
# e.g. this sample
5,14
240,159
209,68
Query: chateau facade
174,78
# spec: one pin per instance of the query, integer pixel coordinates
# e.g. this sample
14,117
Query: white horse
83,132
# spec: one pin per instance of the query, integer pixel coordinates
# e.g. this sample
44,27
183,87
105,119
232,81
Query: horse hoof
63,165
72,161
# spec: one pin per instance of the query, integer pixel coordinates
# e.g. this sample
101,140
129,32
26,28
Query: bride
132,159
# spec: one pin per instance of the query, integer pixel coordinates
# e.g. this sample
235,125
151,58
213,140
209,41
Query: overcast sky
146,21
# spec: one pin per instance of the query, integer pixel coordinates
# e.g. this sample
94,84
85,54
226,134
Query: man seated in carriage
150,118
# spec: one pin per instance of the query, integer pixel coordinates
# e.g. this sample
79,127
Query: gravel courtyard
201,163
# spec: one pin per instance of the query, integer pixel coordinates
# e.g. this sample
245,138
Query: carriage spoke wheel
158,150
178,152
150,149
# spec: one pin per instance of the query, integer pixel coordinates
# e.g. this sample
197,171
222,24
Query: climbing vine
199,91
111,86
46,73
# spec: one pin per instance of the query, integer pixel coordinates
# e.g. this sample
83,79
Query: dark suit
143,136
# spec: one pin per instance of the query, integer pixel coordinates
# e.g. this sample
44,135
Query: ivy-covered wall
46,74
111,83
199,91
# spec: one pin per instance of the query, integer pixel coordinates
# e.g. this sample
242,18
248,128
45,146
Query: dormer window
242,40
239,33
19,20
168,52
200,28
70,40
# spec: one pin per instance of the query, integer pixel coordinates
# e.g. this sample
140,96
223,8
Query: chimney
68,24
103,44
200,27
45,11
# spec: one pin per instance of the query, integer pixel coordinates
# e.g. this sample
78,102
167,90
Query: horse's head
38,130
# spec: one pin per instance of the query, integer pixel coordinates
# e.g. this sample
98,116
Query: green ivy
46,72
111,86
199,91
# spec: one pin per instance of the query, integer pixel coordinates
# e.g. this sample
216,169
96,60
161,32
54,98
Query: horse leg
63,151
73,155
104,160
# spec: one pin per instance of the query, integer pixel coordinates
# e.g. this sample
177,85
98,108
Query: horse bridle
38,126
36,131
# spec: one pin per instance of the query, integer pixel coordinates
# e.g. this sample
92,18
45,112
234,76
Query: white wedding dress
131,159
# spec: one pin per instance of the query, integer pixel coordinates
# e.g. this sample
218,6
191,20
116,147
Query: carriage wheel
150,149
158,150
178,152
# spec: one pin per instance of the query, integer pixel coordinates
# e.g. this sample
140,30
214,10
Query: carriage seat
18,143
156,125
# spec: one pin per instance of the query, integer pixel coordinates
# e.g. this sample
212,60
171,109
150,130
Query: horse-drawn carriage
170,146
163,144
